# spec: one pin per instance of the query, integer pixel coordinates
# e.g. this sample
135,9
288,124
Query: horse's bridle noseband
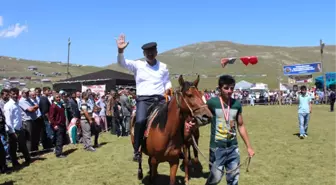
179,104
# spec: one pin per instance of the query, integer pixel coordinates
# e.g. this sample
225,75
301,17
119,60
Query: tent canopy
330,78
103,74
110,78
243,85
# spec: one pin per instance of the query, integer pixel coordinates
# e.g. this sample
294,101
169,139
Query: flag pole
323,72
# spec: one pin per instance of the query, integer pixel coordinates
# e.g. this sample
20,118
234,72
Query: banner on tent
299,69
95,88
259,86
300,79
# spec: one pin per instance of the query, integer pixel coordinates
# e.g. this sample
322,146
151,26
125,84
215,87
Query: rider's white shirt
150,80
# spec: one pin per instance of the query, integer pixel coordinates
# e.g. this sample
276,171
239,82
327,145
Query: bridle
179,94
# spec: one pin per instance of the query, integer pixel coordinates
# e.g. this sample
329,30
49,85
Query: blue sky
39,29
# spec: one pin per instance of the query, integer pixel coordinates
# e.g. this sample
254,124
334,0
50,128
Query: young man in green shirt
224,152
304,111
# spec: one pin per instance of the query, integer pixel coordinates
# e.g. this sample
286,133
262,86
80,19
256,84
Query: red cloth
249,59
56,115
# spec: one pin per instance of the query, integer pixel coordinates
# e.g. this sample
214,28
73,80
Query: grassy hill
205,57
18,68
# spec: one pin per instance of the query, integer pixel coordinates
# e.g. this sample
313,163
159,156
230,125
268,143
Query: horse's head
189,100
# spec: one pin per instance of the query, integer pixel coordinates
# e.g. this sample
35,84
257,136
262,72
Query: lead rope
248,159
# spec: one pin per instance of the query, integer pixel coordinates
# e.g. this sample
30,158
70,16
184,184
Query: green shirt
223,133
304,102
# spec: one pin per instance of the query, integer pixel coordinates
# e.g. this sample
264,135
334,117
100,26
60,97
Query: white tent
243,85
259,86
284,87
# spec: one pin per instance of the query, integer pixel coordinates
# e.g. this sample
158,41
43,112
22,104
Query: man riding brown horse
164,136
152,82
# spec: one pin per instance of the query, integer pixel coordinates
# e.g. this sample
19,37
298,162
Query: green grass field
281,157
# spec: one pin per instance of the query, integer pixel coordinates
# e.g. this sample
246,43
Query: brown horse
188,142
165,136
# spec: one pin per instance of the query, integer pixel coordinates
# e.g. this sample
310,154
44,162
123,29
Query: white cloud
1,21
13,31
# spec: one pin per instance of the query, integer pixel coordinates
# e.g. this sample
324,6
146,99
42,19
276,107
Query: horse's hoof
140,175
151,181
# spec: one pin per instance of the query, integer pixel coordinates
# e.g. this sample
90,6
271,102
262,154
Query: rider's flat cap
150,45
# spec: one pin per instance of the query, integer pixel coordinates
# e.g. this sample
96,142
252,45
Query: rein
248,159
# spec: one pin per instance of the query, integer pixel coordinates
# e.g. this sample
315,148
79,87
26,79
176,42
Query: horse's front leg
150,166
186,161
195,151
173,169
153,166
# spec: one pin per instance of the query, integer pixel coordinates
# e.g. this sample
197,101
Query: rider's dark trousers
142,105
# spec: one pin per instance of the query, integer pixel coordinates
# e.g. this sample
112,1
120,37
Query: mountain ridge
202,58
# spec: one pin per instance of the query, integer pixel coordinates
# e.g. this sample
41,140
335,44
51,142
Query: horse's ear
181,81
196,81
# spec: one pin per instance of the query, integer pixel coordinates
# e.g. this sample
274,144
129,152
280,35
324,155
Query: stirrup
137,156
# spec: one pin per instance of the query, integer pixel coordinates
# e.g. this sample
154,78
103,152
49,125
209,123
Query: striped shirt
85,107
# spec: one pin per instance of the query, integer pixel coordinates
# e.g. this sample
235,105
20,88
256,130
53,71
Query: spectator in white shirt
29,117
16,133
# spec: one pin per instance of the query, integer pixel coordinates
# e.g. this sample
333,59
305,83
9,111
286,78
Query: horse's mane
185,87
159,115
159,112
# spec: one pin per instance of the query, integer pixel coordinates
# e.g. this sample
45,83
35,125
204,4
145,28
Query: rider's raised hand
121,43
